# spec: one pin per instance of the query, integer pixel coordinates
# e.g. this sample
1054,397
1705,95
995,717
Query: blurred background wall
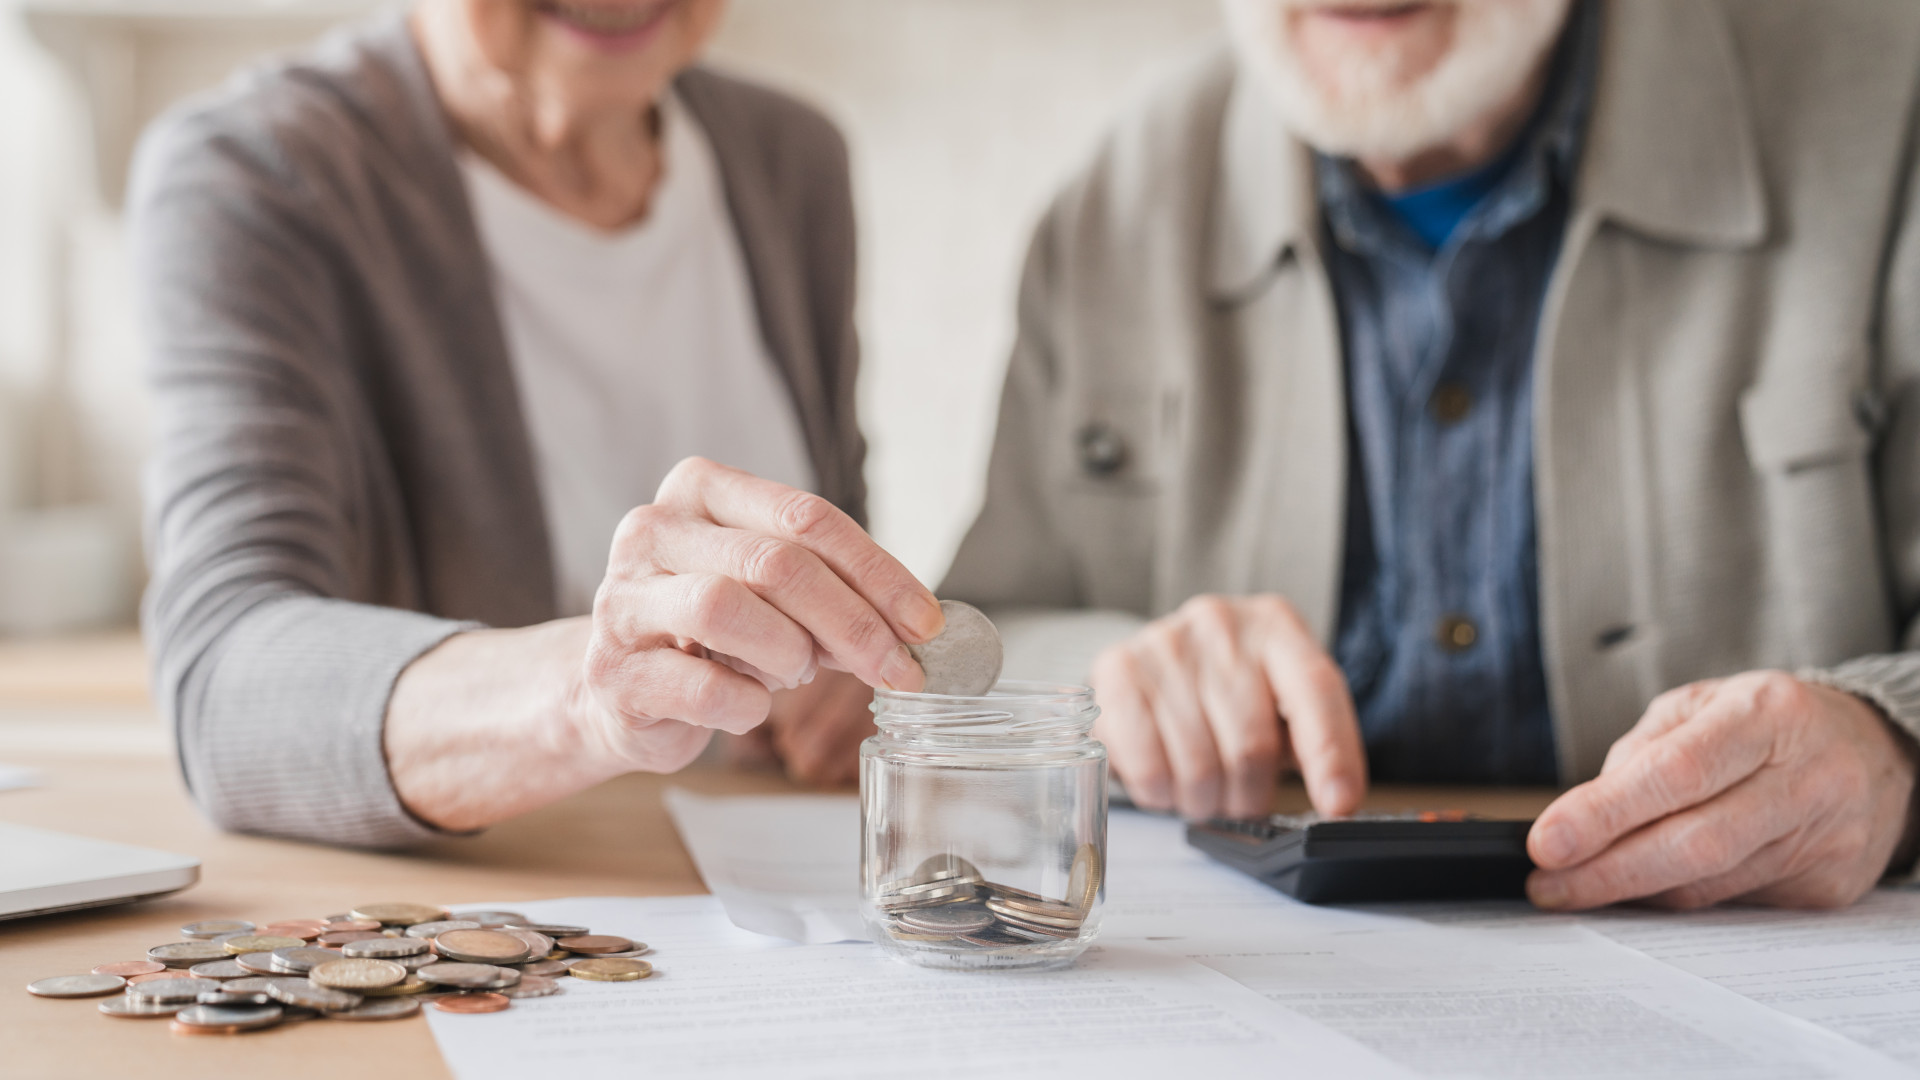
963,115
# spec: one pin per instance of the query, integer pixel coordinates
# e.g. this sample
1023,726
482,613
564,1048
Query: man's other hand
1760,787
1203,709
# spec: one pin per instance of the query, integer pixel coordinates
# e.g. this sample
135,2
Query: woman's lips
608,26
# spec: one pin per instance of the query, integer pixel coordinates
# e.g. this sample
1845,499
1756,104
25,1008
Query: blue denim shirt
1439,631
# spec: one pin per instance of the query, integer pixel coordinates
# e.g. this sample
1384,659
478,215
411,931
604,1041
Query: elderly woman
451,321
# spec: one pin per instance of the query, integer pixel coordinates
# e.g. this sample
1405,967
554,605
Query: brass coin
388,1009
469,976
251,943
308,995
218,969
125,968
431,929
399,914
413,985
481,947
491,920
532,986
358,974
206,931
384,948
471,1003
76,986
595,944
603,969
1083,882
182,954
135,1008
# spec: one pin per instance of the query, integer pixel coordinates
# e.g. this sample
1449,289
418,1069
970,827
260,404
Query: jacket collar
1671,149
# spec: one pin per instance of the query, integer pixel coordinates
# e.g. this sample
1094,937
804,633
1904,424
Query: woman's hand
726,587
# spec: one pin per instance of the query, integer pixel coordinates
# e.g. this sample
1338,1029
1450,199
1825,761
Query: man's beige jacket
1726,413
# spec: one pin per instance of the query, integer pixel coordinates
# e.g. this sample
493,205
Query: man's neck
1476,145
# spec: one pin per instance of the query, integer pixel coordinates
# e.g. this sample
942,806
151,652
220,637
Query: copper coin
472,1003
336,925
127,969
337,938
594,944
542,966
305,931
481,947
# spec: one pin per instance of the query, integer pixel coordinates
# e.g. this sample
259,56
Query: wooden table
615,840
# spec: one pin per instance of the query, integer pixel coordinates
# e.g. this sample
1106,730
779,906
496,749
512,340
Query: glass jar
983,826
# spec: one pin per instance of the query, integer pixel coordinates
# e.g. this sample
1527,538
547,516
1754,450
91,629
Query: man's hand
1758,787
727,587
1203,709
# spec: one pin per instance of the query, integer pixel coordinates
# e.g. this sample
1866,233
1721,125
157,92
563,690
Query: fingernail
1554,843
926,619
1546,892
899,672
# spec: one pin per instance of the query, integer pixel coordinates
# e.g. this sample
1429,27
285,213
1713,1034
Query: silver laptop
42,872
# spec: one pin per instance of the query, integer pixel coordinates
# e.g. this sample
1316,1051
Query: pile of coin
947,903
376,962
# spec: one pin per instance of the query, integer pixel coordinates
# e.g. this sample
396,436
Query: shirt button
1456,633
1450,403
1102,450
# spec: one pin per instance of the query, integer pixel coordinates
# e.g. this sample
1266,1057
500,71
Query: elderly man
1500,391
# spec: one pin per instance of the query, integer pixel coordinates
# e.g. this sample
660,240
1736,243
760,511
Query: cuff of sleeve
1891,683
287,735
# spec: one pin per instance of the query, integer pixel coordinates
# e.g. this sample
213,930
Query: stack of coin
947,903
376,962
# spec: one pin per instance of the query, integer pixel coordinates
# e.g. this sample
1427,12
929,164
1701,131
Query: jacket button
1456,633
1450,403
1102,450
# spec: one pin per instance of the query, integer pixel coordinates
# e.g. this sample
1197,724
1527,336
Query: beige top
1726,427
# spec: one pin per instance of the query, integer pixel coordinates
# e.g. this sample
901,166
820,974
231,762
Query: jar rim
1004,692
1011,710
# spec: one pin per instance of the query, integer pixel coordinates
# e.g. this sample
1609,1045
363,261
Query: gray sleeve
1013,555
275,684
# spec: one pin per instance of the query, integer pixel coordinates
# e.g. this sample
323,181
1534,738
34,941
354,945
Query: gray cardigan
342,475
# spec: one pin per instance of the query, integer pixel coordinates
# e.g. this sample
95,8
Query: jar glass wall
984,826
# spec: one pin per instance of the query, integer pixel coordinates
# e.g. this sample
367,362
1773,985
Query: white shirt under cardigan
632,349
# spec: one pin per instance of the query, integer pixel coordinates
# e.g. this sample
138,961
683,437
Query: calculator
1433,855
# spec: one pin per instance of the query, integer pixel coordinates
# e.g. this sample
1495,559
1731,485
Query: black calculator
1436,855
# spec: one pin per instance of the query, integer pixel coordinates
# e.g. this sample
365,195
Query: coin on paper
606,969
399,914
358,974
384,1009
481,947
471,1003
595,944
532,986
74,986
469,976
965,659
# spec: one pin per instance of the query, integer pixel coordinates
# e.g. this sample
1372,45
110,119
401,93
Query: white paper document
729,1004
1531,1003
789,866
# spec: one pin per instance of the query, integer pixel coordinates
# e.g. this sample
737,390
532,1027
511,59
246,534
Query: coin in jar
213,928
440,926
125,968
951,920
399,914
604,969
179,989
227,1018
595,944
472,1003
481,947
75,986
218,969
308,995
965,659
182,954
1083,882
301,959
137,1009
532,986
382,1009
251,943
358,974
469,976
384,948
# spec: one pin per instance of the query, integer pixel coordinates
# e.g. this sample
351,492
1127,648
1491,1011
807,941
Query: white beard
1370,110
